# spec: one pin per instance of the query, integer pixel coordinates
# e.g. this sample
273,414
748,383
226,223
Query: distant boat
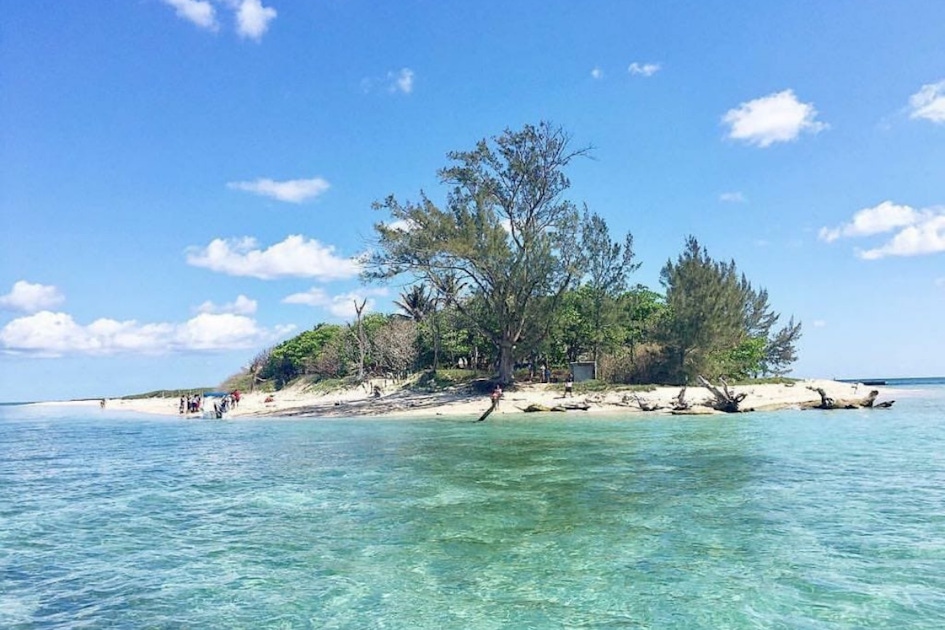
873,382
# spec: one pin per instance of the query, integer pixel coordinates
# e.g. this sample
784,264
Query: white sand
395,401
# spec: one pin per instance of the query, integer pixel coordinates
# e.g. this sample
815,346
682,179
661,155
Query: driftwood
725,399
867,402
535,407
679,403
495,403
647,406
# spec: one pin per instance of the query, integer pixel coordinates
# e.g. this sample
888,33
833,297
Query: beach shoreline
397,401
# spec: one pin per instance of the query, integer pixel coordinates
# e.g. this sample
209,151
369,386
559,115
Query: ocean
793,519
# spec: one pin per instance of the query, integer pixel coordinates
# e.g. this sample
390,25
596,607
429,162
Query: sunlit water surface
766,520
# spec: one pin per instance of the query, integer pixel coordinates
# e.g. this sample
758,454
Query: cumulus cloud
732,197
643,69
868,221
291,190
597,73
252,19
927,236
29,298
242,305
340,306
56,334
199,12
296,256
917,232
778,117
929,103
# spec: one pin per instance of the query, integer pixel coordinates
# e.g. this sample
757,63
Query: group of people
193,403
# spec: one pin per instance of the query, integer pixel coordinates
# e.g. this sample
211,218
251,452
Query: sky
186,182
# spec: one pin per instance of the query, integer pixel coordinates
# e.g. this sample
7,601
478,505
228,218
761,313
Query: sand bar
397,401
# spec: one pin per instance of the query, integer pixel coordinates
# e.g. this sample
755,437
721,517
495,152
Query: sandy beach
395,401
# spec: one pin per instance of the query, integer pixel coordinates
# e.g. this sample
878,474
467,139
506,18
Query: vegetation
507,276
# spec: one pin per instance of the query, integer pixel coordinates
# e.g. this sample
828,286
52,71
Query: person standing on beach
569,387
496,395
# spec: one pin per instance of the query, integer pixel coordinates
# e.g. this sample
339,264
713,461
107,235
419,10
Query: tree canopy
504,231
504,272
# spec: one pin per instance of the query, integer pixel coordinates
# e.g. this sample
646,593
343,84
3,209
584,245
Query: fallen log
538,408
867,402
645,405
725,400
679,403
495,403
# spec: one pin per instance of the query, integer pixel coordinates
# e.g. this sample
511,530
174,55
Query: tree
395,345
361,337
608,265
781,350
256,368
415,303
505,233
717,323
706,311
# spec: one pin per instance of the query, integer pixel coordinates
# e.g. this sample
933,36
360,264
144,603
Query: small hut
583,370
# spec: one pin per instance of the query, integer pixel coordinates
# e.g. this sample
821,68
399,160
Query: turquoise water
768,520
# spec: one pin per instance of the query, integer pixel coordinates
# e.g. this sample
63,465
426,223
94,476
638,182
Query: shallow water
769,520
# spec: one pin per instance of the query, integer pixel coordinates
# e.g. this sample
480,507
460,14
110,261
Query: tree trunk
725,400
867,402
362,342
506,362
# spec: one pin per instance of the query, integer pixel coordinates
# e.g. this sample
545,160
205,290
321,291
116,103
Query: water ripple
794,520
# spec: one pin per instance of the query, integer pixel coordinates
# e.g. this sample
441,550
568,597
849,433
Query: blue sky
185,182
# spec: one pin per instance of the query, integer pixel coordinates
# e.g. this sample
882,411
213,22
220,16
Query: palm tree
415,303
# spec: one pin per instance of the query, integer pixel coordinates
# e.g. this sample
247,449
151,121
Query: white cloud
597,73
732,197
917,232
242,305
296,256
252,18
56,334
340,306
940,282
199,12
819,323
643,69
28,297
291,190
885,217
929,103
927,236
778,117
401,81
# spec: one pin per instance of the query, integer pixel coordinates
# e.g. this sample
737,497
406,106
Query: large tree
505,233
608,266
707,311
717,323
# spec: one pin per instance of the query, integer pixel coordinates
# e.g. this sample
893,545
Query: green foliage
608,264
505,235
290,359
717,324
